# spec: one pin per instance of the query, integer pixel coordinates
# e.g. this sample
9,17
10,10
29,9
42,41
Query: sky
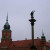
19,15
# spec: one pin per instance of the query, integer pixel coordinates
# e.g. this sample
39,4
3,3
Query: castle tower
43,39
6,34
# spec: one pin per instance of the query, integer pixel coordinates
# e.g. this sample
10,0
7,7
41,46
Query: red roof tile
27,43
47,44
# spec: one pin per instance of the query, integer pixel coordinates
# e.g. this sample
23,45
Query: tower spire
6,26
7,17
42,33
43,37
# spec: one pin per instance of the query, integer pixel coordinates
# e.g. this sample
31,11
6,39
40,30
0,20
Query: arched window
41,48
15,48
23,48
18,48
26,48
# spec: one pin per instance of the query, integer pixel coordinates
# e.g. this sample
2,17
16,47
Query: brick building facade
8,44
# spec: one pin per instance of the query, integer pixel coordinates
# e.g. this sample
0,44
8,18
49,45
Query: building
8,44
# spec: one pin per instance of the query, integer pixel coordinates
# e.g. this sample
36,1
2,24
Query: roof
25,43
47,44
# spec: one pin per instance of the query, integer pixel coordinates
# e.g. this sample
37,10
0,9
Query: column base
33,47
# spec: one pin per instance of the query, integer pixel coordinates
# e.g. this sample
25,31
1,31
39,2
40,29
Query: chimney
38,38
49,41
25,38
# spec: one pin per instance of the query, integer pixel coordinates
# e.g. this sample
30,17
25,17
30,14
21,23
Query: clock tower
6,34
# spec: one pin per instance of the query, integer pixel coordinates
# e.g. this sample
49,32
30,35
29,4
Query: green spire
42,33
43,37
7,20
7,26
7,17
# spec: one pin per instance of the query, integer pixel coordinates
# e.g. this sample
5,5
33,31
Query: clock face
4,33
4,41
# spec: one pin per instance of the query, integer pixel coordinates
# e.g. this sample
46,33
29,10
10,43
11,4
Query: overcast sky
19,15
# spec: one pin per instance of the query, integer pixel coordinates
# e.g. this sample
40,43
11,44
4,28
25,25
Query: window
4,41
36,48
15,49
4,36
0,48
41,48
11,48
18,48
26,48
22,48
